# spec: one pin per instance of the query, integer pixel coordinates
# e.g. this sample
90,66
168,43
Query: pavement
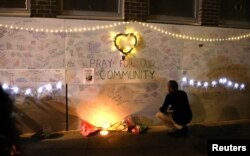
154,142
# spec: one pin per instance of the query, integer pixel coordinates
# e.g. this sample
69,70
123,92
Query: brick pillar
136,10
44,8
210,12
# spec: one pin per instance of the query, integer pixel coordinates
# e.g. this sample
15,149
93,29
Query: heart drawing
125,43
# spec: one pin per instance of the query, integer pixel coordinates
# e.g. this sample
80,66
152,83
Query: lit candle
104,132
105,126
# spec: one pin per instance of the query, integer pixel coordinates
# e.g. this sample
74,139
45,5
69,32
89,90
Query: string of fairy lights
224,82
116,24
46,89
49,88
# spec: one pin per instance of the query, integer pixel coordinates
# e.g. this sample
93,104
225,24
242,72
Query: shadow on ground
155,141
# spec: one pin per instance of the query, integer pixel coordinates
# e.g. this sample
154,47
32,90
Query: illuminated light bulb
198,83
26,29
184,79
31,29
70,30
17,27
40,90
1,25
214,83
15,90
236,85
224,80
47,30
36,30
59,85
191,82
242,86
56,31
27,91
229,83
48,87
42,30
11,27
84,29
21,28
5,86
221,80
61,30
205,84
6,26
88,29
75,29
52,31
99,27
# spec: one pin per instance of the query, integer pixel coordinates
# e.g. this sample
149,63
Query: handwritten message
123,69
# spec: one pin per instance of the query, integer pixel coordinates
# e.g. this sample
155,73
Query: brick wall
44,8
136,10
210,12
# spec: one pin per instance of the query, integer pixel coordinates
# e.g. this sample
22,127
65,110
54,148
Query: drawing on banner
88,75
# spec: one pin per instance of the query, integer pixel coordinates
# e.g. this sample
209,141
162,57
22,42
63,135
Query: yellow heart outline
125,35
